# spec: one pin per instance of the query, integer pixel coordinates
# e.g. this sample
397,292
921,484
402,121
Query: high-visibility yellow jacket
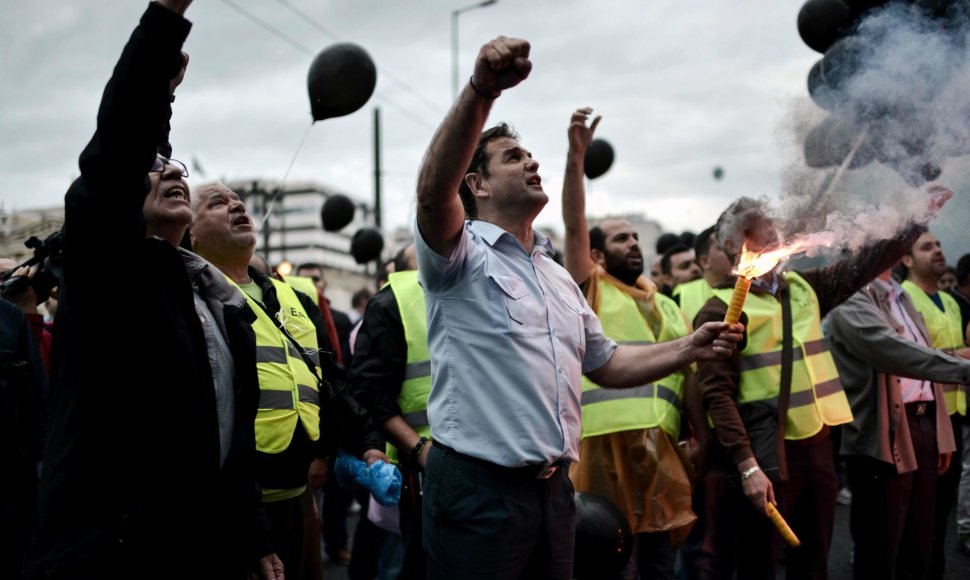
692,296
288,389
413,398
817,397
946,331
646,406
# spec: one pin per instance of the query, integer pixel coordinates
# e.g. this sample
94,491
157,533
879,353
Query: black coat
131,485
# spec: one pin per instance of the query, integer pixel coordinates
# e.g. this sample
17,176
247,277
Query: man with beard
509,335
296,421
925,264
628,452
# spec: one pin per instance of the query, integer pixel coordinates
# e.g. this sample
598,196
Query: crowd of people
186,426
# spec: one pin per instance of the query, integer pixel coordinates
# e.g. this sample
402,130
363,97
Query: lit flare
754,264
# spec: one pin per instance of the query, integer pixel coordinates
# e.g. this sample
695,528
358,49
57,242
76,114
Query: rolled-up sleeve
435,271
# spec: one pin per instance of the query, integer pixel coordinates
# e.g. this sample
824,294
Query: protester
629,449
715,267
900,438
925,265
148,468
297,425
509,335
391,377
772,411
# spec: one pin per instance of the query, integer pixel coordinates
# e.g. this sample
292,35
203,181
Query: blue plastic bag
382,480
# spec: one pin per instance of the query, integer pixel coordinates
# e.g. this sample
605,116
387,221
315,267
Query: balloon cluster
868,112
341,80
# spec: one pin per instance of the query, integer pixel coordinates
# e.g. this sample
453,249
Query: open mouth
242,220
177,193
535,180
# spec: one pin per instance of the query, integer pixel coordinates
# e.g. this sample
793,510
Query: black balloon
822,94
341,80
718,173
604,540
822,22
337,212
598,158
366,245
842,61
831,141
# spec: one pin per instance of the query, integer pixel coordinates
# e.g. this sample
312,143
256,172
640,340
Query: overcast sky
682,87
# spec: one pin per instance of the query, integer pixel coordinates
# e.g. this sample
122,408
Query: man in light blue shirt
509,335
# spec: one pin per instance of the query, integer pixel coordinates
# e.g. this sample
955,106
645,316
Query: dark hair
667,241
400,261
688,238
360,297
703,242
597,239
963,269
309,266
479,164
671,251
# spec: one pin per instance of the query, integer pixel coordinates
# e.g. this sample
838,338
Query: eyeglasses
161,162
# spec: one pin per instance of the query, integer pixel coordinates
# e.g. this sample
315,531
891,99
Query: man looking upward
509,335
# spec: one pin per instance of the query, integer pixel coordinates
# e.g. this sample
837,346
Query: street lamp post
454,41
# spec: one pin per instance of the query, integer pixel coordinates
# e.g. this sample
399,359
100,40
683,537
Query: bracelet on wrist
471,81
747,473
416,450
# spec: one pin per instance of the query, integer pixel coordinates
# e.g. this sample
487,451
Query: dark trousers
656,556
333,515
735,537
892,514
486,521
946,497
415,567
288,523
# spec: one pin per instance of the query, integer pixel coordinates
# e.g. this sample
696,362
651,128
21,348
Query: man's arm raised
501,64
578,260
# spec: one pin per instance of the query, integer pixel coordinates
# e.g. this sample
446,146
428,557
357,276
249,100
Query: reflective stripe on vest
817,397
288,390
413,398
692,296
646,406
946,333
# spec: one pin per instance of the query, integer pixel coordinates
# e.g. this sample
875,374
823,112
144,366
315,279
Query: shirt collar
890,288
492,233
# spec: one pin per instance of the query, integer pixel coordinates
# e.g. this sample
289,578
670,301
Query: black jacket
131,485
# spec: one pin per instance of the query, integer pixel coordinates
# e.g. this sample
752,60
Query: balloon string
279,188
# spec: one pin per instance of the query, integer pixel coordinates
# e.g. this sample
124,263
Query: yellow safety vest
646,406
817,398
303,284
946,333
288,390
692,296
413,398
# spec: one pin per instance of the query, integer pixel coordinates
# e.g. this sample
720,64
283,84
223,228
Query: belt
532,471
921,408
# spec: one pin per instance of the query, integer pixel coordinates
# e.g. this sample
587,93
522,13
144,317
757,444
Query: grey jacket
870,353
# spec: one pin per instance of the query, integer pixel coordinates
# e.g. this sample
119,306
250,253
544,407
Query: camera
49,257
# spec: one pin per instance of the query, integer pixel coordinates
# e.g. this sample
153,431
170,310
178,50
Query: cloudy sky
683,87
